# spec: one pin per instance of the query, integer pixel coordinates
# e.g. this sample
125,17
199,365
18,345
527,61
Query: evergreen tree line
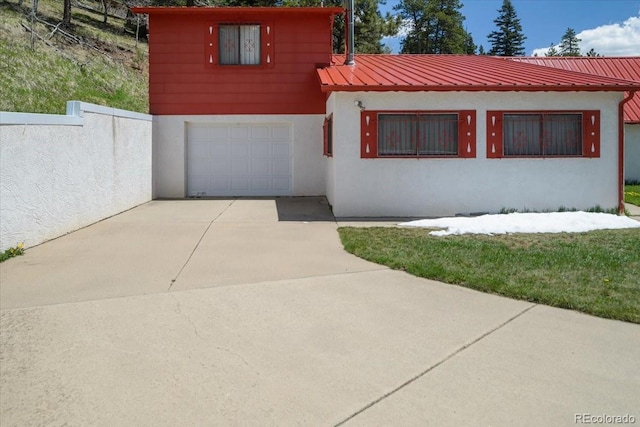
428,26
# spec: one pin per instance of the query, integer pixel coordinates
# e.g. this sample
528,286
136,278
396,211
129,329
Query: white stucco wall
169,148
632,152
435,187
61,173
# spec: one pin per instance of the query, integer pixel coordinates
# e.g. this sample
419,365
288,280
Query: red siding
183,81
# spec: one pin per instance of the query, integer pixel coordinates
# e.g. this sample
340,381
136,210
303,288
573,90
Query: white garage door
244,159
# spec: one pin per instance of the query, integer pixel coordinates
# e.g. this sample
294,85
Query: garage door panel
240,133
281,150
219,149
239,159
280,167
260,183
281,133
260,167
199,185
239,149
199,149
218,133
240,167
261,150
219,185
240,183
260,132
221,166
281,184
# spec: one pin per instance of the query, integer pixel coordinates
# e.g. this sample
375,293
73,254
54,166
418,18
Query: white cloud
609,40
404,29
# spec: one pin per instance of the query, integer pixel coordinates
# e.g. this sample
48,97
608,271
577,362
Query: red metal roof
627,68
457,73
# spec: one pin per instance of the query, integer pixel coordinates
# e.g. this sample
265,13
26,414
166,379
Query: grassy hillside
94,62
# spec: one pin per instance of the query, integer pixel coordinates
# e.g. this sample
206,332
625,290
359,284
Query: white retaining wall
61,173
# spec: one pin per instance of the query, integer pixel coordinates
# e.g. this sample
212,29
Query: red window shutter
266,44
327,130
591,133
325,135
211,45
368,134
467,134
494,134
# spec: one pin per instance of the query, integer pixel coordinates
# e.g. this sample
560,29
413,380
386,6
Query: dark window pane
396,135
239,44
438,134
522,135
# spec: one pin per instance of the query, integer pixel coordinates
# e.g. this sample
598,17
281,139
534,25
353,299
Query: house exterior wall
632,152
440,187
61,173
170,140
183,81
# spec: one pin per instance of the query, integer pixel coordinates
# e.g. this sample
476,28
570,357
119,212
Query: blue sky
611,27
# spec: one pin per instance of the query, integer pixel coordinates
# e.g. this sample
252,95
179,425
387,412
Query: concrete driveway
248,312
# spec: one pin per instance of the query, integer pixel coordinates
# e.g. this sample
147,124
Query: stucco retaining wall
60,173
442,187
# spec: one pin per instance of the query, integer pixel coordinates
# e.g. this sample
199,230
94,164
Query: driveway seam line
198,243
432,367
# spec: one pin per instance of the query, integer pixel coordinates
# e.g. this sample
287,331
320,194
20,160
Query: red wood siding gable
186,77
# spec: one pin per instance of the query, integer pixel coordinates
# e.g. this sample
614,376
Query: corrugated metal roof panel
627,68
457,73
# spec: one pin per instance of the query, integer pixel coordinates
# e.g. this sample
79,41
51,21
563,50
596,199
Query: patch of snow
554,222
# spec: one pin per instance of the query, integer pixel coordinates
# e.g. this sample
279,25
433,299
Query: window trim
327,132
212,47
237,43
590,134
466,134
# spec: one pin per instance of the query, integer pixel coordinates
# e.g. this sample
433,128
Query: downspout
621,151
349,34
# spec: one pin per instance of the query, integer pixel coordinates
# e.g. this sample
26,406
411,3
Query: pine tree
508,39
435,26
370,25
593,54
570,43
552,51
469,46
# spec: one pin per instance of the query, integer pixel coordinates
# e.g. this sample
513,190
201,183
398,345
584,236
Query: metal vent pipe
349,34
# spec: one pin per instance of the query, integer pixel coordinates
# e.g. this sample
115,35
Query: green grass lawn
632,194
596,272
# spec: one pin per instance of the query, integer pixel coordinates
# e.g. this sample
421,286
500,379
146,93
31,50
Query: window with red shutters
239,44
543,134
411,134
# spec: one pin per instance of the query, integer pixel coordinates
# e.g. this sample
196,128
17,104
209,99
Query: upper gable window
239,44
